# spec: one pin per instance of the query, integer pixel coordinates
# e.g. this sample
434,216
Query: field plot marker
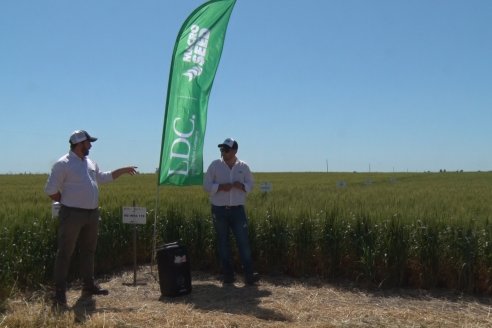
135,215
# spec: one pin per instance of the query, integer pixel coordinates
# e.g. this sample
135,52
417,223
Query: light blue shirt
218,173
77,180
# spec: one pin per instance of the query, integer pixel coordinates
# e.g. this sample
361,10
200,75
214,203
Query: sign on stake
266,187
134,215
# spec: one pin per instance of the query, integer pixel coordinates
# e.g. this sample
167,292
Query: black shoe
253,279
94,290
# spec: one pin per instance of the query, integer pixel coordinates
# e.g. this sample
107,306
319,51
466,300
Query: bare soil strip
275,302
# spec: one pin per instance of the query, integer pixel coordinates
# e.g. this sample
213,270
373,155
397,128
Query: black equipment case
173,265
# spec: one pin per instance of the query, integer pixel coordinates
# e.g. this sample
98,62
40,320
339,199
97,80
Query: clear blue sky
390,85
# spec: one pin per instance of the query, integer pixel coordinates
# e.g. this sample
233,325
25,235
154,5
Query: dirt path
275,302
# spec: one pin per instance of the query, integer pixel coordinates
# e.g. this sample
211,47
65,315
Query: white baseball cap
79,136
229,142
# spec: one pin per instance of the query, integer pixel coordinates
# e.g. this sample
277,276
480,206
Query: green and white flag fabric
194,63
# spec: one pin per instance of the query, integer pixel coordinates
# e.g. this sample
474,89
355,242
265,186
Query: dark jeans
82,226
233,219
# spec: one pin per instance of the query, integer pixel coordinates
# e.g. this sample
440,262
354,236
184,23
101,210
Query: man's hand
239,185
56,197
132,170
229,186
225,187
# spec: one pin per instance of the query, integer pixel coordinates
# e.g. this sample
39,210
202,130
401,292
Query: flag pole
154,239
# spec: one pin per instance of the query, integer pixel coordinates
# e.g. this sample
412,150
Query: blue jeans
233,219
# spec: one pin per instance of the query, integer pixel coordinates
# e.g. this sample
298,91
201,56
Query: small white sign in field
266,186
342,184
134,215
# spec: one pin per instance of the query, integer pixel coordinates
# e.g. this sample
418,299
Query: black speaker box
173,265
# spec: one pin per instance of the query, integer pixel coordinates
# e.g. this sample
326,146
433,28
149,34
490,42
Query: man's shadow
229,298
85,307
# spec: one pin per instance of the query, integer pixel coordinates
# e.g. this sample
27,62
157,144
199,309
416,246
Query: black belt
78,209
229,207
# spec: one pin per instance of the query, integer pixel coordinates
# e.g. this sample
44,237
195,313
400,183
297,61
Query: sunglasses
225,150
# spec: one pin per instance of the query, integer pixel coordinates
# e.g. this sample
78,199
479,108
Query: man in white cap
228,180
73,183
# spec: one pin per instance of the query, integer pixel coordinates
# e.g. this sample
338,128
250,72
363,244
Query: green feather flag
194,63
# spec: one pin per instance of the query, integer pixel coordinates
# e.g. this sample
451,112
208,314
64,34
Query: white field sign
342,184
266,187
134,215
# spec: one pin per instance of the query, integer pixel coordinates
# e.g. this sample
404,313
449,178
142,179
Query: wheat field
390,230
